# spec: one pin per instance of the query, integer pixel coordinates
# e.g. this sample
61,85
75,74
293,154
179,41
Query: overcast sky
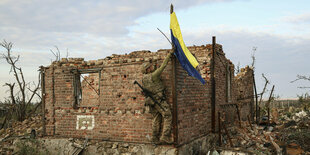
94,29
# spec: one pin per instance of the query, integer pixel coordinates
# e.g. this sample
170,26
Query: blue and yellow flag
185,57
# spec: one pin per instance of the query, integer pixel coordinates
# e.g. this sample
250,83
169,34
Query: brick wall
118,112
225,98
245,91
193,98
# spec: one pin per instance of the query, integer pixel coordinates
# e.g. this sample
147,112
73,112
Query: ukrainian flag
186,59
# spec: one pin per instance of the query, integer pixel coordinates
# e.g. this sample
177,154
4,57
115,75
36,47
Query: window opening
90,84
86,87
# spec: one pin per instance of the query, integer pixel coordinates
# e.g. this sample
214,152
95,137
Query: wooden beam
268,105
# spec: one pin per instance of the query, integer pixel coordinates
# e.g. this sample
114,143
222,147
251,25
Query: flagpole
174,94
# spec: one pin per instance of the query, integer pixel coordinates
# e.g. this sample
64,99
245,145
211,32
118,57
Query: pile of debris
288,132
286,135
295,129
30,127
252,139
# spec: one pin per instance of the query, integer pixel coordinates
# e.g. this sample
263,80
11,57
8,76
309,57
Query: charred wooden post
42,74
268,105
249,120
258,115
227,133
256,99
238,114
261,95
219,125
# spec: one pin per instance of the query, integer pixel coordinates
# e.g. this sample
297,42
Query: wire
90,85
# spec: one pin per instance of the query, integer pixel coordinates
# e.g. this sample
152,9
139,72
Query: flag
185,57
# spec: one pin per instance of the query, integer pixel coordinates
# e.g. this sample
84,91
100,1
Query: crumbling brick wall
245,91
193,98
116,112
120,114
224,97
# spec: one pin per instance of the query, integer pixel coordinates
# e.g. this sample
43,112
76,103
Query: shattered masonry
117,105
244,79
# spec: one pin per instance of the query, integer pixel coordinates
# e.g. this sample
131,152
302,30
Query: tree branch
20,100
303,87
301,77
266,82
11,61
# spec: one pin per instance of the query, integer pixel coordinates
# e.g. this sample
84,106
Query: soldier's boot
155,140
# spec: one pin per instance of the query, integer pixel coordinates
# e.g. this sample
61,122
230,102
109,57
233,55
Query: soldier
161,113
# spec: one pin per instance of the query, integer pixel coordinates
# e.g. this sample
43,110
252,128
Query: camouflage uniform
161,113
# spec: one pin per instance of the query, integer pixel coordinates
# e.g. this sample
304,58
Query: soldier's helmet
145,66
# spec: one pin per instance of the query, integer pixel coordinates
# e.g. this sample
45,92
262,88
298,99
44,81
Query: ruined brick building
98,100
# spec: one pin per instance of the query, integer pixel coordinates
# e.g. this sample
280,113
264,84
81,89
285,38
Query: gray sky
95,29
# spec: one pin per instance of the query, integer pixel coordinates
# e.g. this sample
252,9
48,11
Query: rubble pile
19,130
295,130
287,133
256,140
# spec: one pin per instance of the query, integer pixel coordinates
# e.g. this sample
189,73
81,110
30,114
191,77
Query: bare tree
304,100
302,77
21,93
261,98
264,89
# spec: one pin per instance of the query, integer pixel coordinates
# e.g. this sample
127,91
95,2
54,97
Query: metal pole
219,124
42,74
54,101
174,101
213,85
174,95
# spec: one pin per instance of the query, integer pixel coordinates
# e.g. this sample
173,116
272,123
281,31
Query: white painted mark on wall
85,122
